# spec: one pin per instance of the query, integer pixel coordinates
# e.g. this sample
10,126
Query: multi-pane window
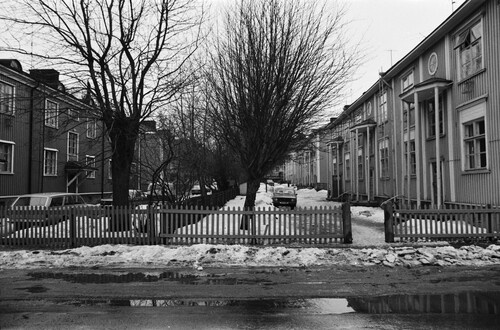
51,113
407,81
383,149
90,161
6,157
431,118
91,128
50,162
408,107
382,115
360,163
470,50
410,154
347,163
475,145
6,98
73,146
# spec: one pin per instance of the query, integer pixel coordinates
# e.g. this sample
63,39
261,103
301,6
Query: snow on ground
368,249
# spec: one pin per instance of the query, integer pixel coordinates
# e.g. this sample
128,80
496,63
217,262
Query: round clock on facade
432,66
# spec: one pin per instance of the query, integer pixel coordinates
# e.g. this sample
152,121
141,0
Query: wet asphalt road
258,298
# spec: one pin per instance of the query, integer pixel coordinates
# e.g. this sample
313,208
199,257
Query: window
413,160
73,114
6,157
91,128
90,161
110,170
431,118
51,113
334,166
347,158
50,162
6,98
383,107
383,149
407,81
73,146
475,145
469,47
408,107
360,163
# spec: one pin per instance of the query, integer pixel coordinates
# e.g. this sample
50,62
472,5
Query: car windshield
31,201
285,192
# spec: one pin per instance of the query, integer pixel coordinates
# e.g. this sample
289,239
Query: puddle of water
35,289
464,303
188,279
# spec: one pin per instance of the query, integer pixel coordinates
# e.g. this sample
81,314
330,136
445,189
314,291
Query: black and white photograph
250,164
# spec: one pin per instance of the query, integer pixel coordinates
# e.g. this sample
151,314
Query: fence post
389,222
346,223
72,227
490,228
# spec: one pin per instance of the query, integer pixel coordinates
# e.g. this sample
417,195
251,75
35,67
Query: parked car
47,201
284,196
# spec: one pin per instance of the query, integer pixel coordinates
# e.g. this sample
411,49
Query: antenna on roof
452,3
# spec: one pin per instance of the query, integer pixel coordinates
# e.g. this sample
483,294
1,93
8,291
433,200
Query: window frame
10,104
90,174
51,120
474,139
46,165
413,157
383,150
464,44
382,114
406,86
91,131
9,157
430,112
68,150
347,165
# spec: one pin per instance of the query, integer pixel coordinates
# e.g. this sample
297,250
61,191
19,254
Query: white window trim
473,21
13,144
92,174
94,134
110,171
466,116
13,98
45,159
77,145
406,75
56,125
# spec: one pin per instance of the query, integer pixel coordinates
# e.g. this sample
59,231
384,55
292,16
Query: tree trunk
123,138
252,188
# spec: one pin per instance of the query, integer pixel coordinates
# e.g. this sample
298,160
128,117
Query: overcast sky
391,28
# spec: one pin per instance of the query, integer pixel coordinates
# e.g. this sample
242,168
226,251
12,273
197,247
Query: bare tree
277,66
132,53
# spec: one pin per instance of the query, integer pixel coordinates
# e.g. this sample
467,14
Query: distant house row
428,131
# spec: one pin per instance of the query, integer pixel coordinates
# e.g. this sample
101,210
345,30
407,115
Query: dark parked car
284,196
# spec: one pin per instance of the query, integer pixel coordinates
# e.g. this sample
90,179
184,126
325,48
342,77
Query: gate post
346,223
72,227
388,222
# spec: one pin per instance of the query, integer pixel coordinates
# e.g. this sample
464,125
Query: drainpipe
438,151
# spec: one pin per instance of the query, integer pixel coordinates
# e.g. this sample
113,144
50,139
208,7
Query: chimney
49,77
